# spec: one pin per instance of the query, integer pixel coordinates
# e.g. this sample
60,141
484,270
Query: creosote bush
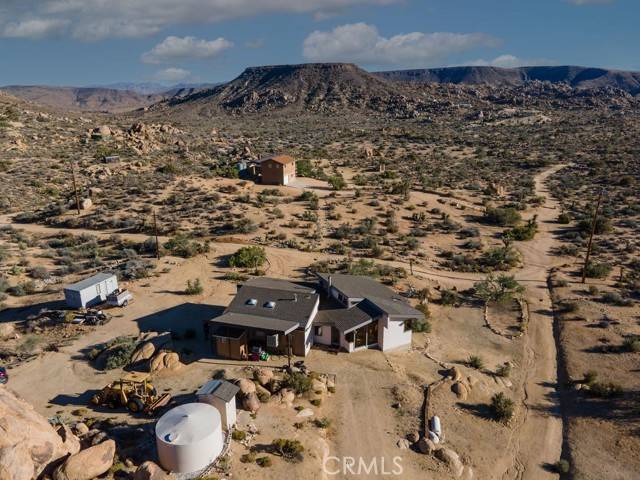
502,407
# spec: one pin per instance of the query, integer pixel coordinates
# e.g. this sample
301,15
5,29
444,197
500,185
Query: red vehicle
4,376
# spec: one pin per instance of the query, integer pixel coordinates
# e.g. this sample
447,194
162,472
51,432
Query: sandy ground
365,424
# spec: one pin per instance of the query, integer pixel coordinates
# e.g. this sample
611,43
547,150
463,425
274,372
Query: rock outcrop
87,464
28,444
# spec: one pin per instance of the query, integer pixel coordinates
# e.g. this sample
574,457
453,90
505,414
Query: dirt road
537,437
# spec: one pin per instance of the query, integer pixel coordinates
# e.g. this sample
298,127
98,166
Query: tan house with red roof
277,169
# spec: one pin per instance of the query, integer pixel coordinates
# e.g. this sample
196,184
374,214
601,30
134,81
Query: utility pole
155,228
593,231
411,266
75,186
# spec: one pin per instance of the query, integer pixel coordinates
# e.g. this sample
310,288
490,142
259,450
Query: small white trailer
91,291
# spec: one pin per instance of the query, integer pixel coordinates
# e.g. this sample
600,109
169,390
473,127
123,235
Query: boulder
87,464
455,374
413,437
263,394
287,396
263,376
318,386
28,444
157,362
467,473
104,130
403,444
144,352
426,446
69,440
460,389
246,386
81,428
86,203
172,361
7,330
251,402
150,471
452,460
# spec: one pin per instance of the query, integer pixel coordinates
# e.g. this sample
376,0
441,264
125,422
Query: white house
90,291
222,395
365,314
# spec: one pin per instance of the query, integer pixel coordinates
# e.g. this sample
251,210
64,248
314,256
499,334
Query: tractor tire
153,392
125,303
135,405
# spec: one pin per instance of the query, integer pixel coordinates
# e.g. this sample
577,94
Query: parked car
119,298
4,376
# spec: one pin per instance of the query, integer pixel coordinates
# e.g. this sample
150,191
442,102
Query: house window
317,331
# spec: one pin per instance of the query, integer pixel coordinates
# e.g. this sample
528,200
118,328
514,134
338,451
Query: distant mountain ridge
576,77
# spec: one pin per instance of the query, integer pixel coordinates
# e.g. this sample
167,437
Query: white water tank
189,437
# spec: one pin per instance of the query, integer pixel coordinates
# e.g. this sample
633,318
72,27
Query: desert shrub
502,407
562,466
119,351
449,297
564,218
290,450
603,225
476,362
239,435
504,370
590,377
605,389
631,344
614,298
39,273
523,232
235,277
248,257
323,422
298,382
502,217
264,462
598,270
497,289
194,288
423,326
182,246
316,402
337,182
137,268
248,457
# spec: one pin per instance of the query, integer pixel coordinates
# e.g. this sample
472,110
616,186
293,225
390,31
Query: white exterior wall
227,410
325,338
393,334
91,295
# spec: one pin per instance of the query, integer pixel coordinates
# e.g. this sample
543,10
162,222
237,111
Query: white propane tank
435,426
433,437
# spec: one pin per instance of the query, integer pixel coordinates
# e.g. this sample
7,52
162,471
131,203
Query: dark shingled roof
278,284
258,322
357,286
348,319
290,306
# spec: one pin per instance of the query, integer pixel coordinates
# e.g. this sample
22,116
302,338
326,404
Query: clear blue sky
84,42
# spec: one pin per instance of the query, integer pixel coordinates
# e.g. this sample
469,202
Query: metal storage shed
222,395
90,291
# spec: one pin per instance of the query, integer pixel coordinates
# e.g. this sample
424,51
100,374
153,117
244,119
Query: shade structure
189,437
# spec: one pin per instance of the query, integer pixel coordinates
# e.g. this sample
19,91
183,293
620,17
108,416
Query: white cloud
172,75
362,43
99,19
186,48
511,61
34,28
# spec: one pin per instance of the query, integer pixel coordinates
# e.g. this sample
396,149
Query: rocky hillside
328,87
83,99
576,77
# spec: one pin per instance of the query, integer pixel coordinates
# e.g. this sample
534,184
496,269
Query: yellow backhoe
134,392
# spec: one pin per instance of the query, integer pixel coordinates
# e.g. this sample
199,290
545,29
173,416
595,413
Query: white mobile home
90,291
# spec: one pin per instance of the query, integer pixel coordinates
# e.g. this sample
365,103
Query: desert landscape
491,216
